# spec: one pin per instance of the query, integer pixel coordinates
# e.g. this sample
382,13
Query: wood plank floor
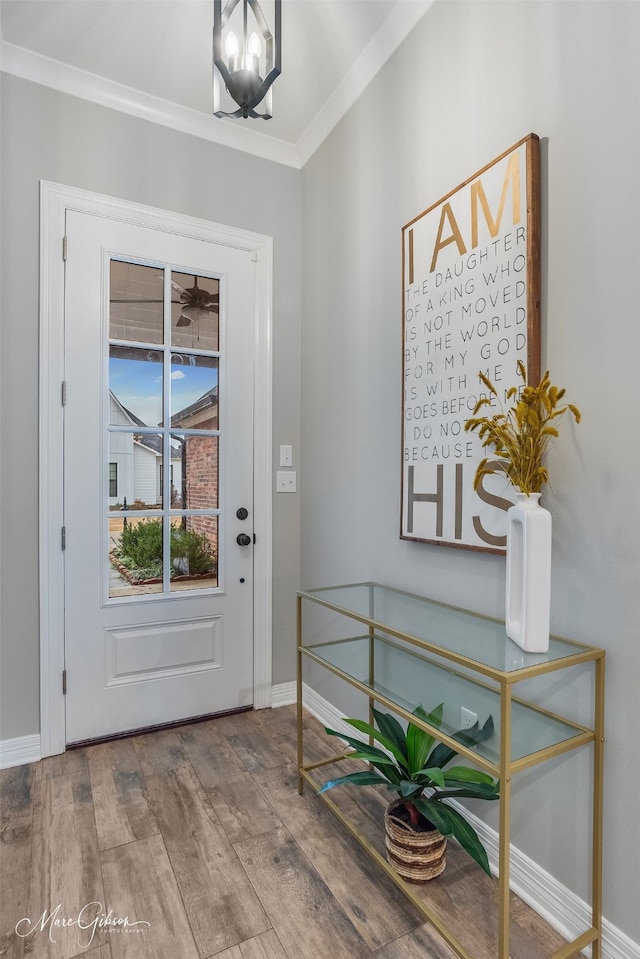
197,837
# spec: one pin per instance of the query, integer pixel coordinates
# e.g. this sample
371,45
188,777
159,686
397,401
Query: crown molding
107,93
398,25
65,78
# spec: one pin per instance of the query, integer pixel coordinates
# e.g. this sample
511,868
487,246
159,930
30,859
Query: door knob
243,540
242,513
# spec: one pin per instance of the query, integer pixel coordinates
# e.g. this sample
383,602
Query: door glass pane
135,386
135,555
176,473
194,312
195,471
135,462
154,467
136,302
194,552
194,392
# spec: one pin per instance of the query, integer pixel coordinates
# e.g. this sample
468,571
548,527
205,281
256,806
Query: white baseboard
18,751
560,907
284,694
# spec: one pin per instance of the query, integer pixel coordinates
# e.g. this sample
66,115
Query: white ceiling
152,58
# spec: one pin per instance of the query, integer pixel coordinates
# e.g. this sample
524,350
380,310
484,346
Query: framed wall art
470,303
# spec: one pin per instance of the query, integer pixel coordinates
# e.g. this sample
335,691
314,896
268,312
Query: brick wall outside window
201,484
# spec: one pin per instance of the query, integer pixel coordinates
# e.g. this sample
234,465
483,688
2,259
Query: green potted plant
412,764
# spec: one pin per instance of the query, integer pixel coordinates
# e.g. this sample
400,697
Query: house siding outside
145,483
121,453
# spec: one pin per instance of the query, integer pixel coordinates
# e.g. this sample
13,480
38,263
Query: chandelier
246,57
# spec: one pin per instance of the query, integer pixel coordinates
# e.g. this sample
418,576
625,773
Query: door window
163,410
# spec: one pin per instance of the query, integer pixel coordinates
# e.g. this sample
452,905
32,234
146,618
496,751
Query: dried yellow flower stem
520,436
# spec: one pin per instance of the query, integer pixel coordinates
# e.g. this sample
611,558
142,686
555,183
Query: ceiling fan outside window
136,305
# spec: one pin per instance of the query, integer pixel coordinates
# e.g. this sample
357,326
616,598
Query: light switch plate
286,456
286,481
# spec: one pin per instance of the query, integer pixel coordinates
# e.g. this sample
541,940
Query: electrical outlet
286,481
467,718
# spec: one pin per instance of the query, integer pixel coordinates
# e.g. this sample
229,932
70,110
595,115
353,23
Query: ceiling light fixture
251,60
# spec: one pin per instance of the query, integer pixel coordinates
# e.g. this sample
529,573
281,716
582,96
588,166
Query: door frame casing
55,200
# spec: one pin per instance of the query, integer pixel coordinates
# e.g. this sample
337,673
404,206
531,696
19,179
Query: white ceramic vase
528,593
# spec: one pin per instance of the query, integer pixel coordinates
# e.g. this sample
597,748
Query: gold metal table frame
471,650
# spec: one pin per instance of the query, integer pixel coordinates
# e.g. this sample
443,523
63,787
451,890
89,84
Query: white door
158,477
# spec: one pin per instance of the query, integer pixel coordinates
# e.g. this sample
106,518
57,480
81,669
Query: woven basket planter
415,855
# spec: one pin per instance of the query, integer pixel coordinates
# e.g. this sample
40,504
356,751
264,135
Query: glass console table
417,651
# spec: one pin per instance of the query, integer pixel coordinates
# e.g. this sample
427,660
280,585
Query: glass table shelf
417,651
456,634
381,668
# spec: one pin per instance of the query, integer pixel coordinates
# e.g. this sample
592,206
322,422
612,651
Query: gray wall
51,136
471,80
